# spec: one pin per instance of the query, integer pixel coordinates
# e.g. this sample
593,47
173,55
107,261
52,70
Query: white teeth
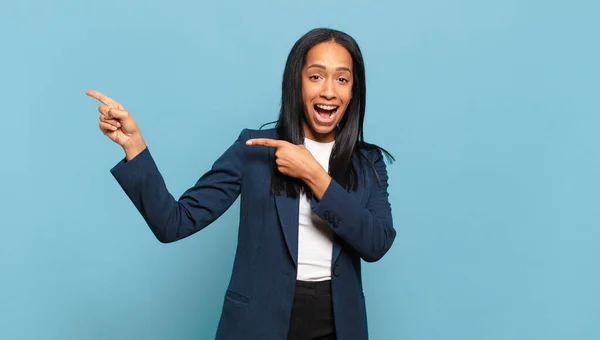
327,107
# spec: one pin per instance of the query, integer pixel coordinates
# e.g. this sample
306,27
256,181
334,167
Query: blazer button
336,270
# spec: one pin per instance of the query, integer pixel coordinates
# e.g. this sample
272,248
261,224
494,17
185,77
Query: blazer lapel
287,210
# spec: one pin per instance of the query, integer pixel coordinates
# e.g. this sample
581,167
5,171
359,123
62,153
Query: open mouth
325,113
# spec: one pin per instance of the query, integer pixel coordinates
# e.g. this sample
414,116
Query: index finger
274,143
102,97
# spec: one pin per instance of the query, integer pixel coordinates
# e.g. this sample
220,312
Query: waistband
313,288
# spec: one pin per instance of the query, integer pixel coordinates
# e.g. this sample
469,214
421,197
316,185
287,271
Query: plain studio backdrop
490,108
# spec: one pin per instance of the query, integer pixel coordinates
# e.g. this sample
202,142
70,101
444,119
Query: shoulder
370,153
372,159
251,133
252,154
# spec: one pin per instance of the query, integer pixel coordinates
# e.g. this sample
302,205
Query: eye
342,80
314,77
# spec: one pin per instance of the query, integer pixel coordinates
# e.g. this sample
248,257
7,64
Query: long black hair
349,133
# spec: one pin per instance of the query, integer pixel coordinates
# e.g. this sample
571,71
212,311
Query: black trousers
312,312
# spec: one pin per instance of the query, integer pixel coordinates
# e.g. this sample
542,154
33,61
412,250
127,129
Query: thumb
128,124
116,113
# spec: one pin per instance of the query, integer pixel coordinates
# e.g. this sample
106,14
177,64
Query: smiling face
326,89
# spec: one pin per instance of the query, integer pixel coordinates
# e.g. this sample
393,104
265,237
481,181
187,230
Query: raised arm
168,218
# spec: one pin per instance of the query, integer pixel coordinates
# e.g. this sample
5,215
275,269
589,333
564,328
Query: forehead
329,53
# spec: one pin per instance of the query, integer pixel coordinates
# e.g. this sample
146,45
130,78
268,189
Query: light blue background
490,108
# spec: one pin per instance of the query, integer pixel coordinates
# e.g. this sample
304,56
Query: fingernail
249,142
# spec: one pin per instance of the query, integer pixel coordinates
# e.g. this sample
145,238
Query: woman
314,200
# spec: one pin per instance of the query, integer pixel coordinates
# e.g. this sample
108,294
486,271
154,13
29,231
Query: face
326,89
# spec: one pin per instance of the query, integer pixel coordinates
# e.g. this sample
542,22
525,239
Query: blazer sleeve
170,219
368,230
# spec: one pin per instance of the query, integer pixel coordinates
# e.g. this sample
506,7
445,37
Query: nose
327,90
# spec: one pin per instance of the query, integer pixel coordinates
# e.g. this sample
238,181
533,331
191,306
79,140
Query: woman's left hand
296,161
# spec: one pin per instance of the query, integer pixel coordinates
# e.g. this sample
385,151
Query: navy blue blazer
258,301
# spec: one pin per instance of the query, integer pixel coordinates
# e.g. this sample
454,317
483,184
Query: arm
368,230
170,219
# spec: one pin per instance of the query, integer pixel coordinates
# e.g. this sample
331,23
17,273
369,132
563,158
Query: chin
319,131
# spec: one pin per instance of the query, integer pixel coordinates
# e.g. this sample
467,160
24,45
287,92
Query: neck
318,137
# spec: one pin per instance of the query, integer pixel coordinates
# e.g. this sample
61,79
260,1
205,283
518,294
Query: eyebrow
341,68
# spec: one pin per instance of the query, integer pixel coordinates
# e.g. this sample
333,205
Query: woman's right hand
118,125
